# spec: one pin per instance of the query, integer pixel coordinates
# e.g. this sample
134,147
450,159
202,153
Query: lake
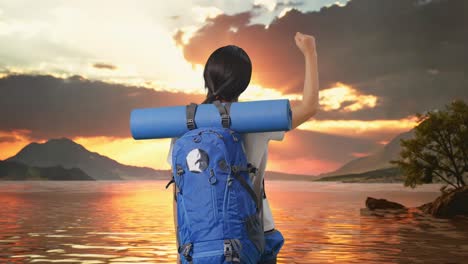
131,222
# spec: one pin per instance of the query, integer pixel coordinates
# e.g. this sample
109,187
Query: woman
227,74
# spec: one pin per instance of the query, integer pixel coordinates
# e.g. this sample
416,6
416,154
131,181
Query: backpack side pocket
254,229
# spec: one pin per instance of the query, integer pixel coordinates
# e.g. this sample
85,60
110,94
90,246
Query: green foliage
439,149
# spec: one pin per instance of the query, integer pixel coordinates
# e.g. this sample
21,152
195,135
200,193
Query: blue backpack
219,215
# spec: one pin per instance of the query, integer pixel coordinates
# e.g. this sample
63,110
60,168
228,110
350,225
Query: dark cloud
257,7
412,56
104,66
280,5
52,107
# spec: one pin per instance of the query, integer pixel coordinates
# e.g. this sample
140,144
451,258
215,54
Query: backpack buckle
185,251
252,169
179,170
225,120
234,169
190,124
212,178
231,251
228,250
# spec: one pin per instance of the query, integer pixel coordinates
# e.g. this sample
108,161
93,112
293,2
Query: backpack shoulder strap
228,108
224,112
190,111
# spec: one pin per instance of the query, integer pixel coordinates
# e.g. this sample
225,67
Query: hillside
14,171
388,175
280,176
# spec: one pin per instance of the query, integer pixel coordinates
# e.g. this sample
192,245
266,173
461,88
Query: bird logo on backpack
219,216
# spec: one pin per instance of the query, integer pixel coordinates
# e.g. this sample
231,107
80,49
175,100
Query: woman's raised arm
308,106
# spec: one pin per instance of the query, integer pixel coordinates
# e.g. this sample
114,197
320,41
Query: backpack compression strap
190,115
224,111
236,173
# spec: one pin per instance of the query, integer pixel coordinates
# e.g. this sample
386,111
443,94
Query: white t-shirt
256,150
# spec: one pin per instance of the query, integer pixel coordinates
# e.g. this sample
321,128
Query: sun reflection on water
131,222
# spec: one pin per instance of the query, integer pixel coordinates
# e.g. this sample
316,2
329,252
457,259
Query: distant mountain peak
376,161
60,146
62,141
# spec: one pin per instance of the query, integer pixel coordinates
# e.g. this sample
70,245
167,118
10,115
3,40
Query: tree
439,149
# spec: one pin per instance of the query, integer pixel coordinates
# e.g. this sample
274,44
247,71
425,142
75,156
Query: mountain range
66,156
73,161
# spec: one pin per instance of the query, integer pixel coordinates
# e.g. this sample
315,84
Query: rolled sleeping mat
245,117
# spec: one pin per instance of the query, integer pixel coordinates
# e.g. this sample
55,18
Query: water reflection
131,222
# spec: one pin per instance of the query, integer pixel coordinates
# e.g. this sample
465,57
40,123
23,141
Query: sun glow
258,92
147,153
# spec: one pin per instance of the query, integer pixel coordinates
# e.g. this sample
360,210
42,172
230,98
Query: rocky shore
450,204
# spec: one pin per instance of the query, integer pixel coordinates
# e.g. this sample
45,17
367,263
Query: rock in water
449,204
373,204
425,207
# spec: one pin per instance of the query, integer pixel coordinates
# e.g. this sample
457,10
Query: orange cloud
360,128
341,97
336,97
383,142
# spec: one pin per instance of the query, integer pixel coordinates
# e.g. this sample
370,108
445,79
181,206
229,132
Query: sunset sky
76,69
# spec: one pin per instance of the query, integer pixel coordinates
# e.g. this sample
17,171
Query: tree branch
434,169
464,154
458,175
444,179
449,153
442,165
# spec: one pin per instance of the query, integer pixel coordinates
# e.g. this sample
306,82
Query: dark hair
227,74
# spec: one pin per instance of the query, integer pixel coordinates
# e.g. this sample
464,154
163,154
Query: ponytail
210,98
